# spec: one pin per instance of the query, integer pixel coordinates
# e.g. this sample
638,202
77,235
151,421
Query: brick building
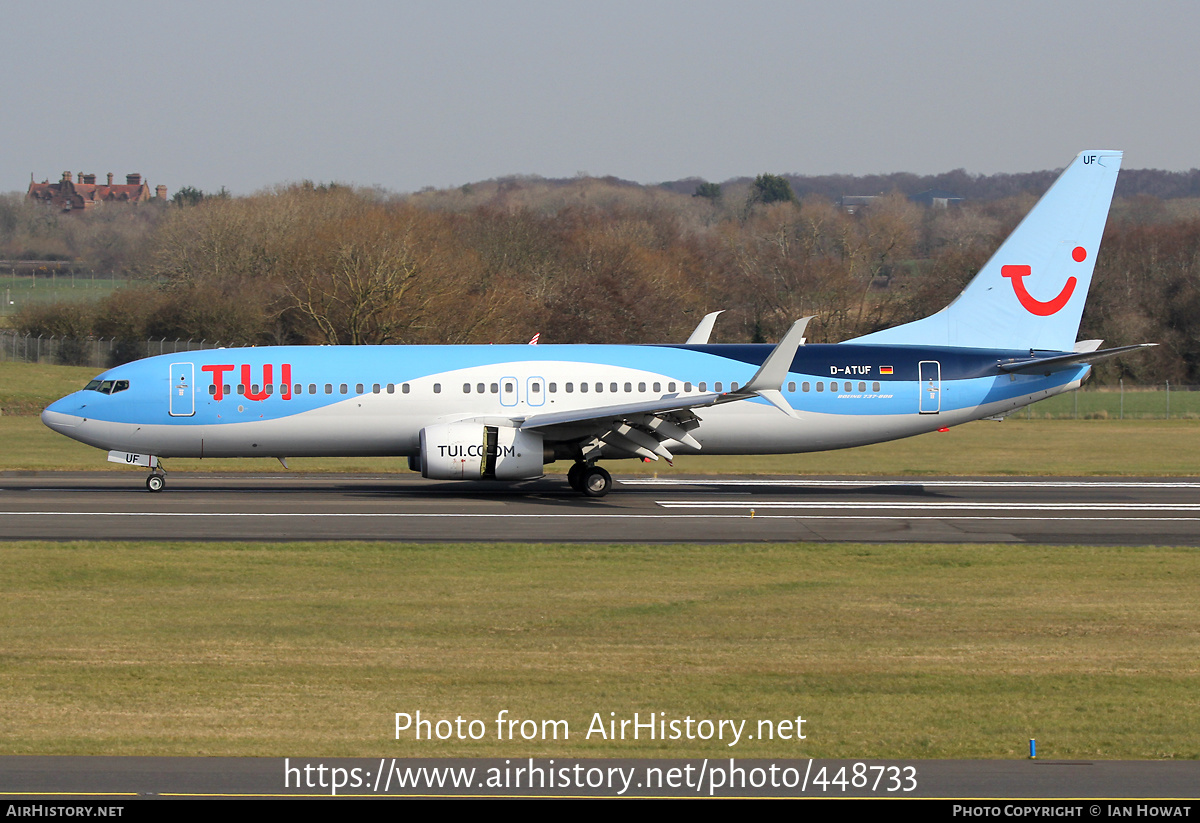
84,193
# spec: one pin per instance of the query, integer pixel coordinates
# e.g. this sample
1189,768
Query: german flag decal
885,369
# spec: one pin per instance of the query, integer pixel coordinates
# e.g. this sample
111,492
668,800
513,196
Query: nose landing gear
157,480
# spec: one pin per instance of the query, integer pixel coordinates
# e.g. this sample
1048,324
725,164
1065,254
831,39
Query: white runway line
843,504
948,484
743,514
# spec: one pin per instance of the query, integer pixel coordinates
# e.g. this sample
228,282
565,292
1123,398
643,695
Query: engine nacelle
473,451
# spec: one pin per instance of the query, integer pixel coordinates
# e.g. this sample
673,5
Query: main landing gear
157,480
590,480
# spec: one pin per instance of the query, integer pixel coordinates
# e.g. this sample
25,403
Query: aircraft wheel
575,476
596,482
155,482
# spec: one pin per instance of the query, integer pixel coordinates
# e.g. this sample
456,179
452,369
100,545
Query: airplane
502,412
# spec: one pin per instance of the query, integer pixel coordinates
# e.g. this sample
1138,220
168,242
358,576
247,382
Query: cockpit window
107,386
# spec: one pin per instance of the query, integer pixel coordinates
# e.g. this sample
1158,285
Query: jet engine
473,451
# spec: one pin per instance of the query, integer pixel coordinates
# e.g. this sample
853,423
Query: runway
116,506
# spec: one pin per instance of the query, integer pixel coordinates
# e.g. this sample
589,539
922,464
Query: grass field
886,651
21,290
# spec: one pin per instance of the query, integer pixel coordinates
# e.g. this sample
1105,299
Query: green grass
27,388
1109,404
19,290
886,651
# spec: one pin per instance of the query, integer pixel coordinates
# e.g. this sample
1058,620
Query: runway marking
838,504
746,515
984,484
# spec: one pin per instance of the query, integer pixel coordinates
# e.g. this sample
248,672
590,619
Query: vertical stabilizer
1030,294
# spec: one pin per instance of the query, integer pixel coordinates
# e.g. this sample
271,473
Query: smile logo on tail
1031,303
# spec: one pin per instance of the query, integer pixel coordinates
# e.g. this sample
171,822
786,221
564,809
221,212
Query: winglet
704,329
767,382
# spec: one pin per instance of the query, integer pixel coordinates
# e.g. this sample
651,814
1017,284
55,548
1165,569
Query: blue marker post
1032,748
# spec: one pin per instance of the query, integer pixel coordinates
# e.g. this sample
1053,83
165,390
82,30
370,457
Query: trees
771,188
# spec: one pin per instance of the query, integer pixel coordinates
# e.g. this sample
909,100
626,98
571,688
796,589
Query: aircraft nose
58,415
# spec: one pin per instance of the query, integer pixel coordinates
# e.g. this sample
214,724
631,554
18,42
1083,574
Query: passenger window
553,388
849,386
328,388
612,387
344,388
466,388
269,388
226,387
875,387
704,386
437,388
509,388
792,387
820,386
671,386
480,388
658,387
805,386
212,389
862,386
297,389
583,387
536,388
404,388
717,386
687,387
495,388
241,388
570,388
641,386
733,386
628,388
599,387
358,388
312,388
375,389
391,388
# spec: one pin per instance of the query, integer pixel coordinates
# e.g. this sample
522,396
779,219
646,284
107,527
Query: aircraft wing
1062,362
640,428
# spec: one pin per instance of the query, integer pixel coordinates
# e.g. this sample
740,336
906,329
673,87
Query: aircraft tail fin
1030,294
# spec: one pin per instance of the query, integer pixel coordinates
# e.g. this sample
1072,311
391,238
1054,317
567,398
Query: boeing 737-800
503,412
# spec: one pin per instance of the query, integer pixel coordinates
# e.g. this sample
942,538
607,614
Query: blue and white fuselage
502,412
374,400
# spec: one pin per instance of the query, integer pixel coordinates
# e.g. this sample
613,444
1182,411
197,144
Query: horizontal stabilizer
1062,362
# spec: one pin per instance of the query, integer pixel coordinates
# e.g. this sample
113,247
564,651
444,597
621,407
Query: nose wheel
156,481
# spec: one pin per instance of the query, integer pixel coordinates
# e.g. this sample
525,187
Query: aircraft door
535,391
183,395
930,386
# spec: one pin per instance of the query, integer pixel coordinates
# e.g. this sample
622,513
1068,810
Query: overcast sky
405,95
